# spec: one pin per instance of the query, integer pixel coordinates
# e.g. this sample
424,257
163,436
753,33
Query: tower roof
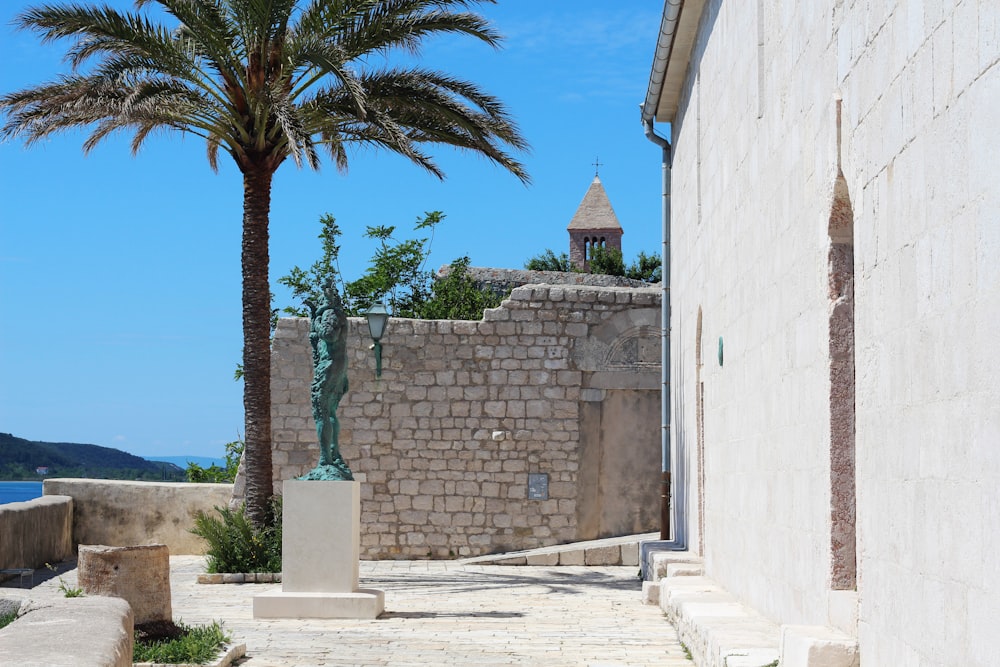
595,210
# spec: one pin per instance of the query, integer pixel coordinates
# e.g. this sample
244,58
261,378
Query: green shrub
214,474
235,545
198,645
7,619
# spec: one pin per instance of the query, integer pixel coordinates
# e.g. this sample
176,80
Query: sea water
12,492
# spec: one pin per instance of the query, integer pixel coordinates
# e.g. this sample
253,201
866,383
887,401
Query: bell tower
594,225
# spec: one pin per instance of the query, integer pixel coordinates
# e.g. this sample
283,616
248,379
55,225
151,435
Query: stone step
718,630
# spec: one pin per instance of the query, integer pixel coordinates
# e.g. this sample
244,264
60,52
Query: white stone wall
751,200
756,157
922,99
465,411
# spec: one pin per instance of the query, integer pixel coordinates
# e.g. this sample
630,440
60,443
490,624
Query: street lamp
378,317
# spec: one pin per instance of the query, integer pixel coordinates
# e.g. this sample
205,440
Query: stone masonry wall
465,411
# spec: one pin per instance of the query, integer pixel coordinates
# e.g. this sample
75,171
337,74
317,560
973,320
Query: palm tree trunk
257,344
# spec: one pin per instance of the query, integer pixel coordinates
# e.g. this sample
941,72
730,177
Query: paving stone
445,613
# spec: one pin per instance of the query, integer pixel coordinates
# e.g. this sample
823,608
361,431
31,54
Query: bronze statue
328,337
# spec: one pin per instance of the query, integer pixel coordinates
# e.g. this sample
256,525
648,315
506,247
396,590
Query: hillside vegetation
19,459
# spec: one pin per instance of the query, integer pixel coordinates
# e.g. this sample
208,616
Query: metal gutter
673,485
661,57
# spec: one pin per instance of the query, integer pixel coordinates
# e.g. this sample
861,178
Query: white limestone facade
835,167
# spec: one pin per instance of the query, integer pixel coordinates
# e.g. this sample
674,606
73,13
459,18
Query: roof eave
678,30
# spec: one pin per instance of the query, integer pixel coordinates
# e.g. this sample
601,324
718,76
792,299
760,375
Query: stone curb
240,578
607,552
232,653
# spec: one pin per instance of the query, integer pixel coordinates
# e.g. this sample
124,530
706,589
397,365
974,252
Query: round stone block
138,574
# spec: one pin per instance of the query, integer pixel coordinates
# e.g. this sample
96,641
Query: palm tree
265,81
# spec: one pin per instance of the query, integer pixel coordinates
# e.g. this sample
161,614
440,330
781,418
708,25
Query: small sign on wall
538,486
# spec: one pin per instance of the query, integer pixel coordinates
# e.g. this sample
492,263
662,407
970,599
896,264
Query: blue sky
120,276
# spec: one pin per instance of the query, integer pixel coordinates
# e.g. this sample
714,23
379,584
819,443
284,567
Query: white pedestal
320,544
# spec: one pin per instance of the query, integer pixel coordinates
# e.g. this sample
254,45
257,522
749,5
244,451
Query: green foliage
457,297
308,285
67,590
647,268
549,261
606,261
687,651
196,645
7,619
236,545
397,275
215,474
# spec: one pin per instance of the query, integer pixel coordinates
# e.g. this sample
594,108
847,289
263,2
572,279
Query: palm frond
267,80
403,24
298,141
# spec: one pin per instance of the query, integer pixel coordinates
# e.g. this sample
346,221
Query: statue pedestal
321,532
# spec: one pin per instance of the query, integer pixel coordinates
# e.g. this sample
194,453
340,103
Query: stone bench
70,632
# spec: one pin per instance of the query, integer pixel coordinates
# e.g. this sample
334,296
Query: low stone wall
538,425
88,631
36,532
118,513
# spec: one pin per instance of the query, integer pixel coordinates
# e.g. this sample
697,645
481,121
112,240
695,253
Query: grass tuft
179,643
7,619
687,652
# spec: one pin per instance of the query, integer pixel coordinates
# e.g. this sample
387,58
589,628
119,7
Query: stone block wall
465,411
36,532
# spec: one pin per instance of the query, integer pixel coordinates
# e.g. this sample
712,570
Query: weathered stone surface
120,513
98,629
571,558
817,646
603,556
36,532
140,575
543,559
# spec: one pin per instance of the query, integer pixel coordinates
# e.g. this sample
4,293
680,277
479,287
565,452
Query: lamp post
378,317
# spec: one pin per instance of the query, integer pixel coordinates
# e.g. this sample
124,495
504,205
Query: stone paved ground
446,613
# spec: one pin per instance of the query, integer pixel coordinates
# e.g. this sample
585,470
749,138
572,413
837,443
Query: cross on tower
597,165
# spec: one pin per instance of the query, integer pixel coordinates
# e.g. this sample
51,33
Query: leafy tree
397,273
549,261
308,285
606,261
457,297
215,474
648,268
265,81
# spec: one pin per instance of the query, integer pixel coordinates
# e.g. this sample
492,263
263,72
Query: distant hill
20,459
182,461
